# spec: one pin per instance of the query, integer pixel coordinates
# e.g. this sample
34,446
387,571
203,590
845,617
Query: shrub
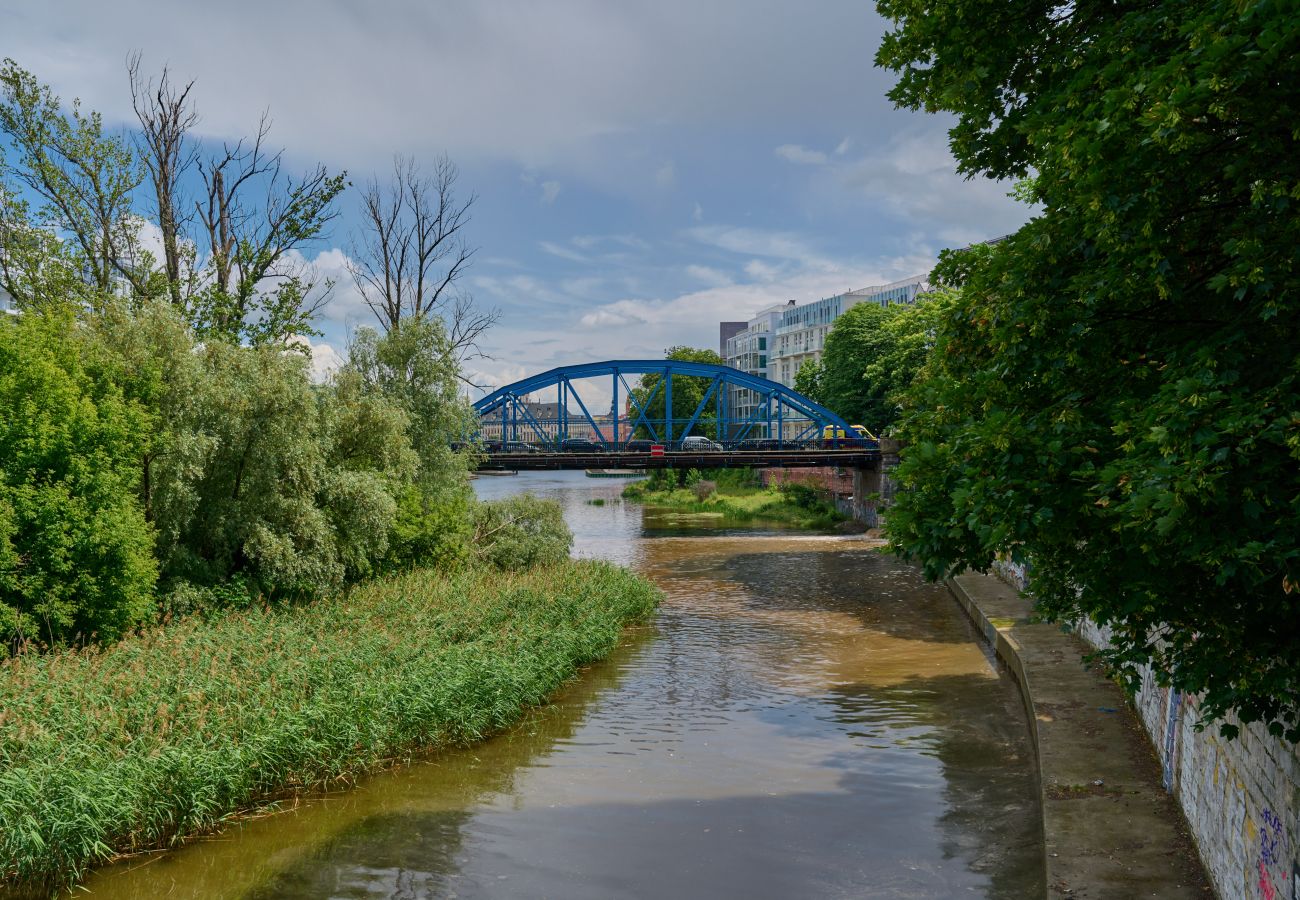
705,489
75,550
801,495
519,532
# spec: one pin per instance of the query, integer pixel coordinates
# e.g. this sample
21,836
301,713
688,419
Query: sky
641,171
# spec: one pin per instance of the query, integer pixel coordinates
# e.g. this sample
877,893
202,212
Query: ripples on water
805,718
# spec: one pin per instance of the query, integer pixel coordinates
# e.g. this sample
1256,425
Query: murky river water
804,718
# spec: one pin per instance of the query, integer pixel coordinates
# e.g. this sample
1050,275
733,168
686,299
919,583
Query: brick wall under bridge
860,494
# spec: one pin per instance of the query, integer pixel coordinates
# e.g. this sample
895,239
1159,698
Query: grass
742,503
164,735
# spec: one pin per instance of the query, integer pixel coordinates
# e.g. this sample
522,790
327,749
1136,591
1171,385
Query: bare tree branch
166,116
410,252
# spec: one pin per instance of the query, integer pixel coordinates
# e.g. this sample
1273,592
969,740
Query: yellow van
833,436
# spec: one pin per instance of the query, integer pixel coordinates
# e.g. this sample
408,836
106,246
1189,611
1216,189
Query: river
805,717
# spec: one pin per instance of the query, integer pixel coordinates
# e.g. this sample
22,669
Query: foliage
737,499
688,391
872,352
83,245
165,734
518,532
1114,393
84,178
802,495
253,473
75,550
414,368
808,380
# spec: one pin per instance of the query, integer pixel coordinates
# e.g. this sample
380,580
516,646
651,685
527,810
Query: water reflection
806,718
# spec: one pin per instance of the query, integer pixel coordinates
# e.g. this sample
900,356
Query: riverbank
166,735
733,496
1110,828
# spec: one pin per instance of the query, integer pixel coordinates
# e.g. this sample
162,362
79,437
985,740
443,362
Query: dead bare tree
166,115
410,252
255,218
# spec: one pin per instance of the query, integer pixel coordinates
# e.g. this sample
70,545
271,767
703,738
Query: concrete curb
1109,828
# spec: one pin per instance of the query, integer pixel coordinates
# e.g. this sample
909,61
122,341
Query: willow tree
1116,394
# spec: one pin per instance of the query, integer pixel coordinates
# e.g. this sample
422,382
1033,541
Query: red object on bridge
656,449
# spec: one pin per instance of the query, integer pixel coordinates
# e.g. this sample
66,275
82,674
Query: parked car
638,446
519,447
699,444
580,445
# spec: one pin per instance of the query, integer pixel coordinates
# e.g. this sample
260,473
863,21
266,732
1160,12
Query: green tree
808,380
84,179
414,368
242,280
76,555
1114,394
255,481
688,391
873,352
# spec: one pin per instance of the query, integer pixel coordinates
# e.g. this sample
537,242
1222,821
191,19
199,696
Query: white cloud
550,190
519,81
843,147
591,241
915,176
755,242
761,271
666,176
564,252
708,275
698,214
325,360
801,155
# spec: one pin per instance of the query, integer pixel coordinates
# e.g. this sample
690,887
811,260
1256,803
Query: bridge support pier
873,489
866,489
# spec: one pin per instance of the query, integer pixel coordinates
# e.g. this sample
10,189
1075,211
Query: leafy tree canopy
872,352
1115,393
688,391
76,555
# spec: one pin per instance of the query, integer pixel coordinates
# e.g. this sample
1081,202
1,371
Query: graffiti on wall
1272,850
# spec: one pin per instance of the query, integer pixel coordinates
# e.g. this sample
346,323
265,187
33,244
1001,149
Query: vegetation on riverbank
737,495
1112,394
162,735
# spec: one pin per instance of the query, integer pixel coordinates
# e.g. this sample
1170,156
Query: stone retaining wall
1241,797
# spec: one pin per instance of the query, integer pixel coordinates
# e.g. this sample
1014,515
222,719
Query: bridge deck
731,459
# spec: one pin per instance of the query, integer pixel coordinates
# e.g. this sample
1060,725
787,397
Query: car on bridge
760,444
581,445
510,447
638,445
696,443
834,438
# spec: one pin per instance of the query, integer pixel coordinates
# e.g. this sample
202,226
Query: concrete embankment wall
1241,797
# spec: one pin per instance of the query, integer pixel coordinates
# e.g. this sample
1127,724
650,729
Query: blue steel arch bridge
751,420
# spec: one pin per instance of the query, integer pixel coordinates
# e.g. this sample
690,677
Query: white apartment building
748,350
800,334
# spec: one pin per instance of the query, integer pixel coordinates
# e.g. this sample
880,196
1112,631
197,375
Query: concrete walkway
1112,832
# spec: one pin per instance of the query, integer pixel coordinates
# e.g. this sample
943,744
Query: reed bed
166,734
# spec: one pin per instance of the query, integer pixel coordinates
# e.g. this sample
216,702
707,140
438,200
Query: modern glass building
800,334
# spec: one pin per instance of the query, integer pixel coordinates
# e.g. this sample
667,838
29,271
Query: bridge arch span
744,406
